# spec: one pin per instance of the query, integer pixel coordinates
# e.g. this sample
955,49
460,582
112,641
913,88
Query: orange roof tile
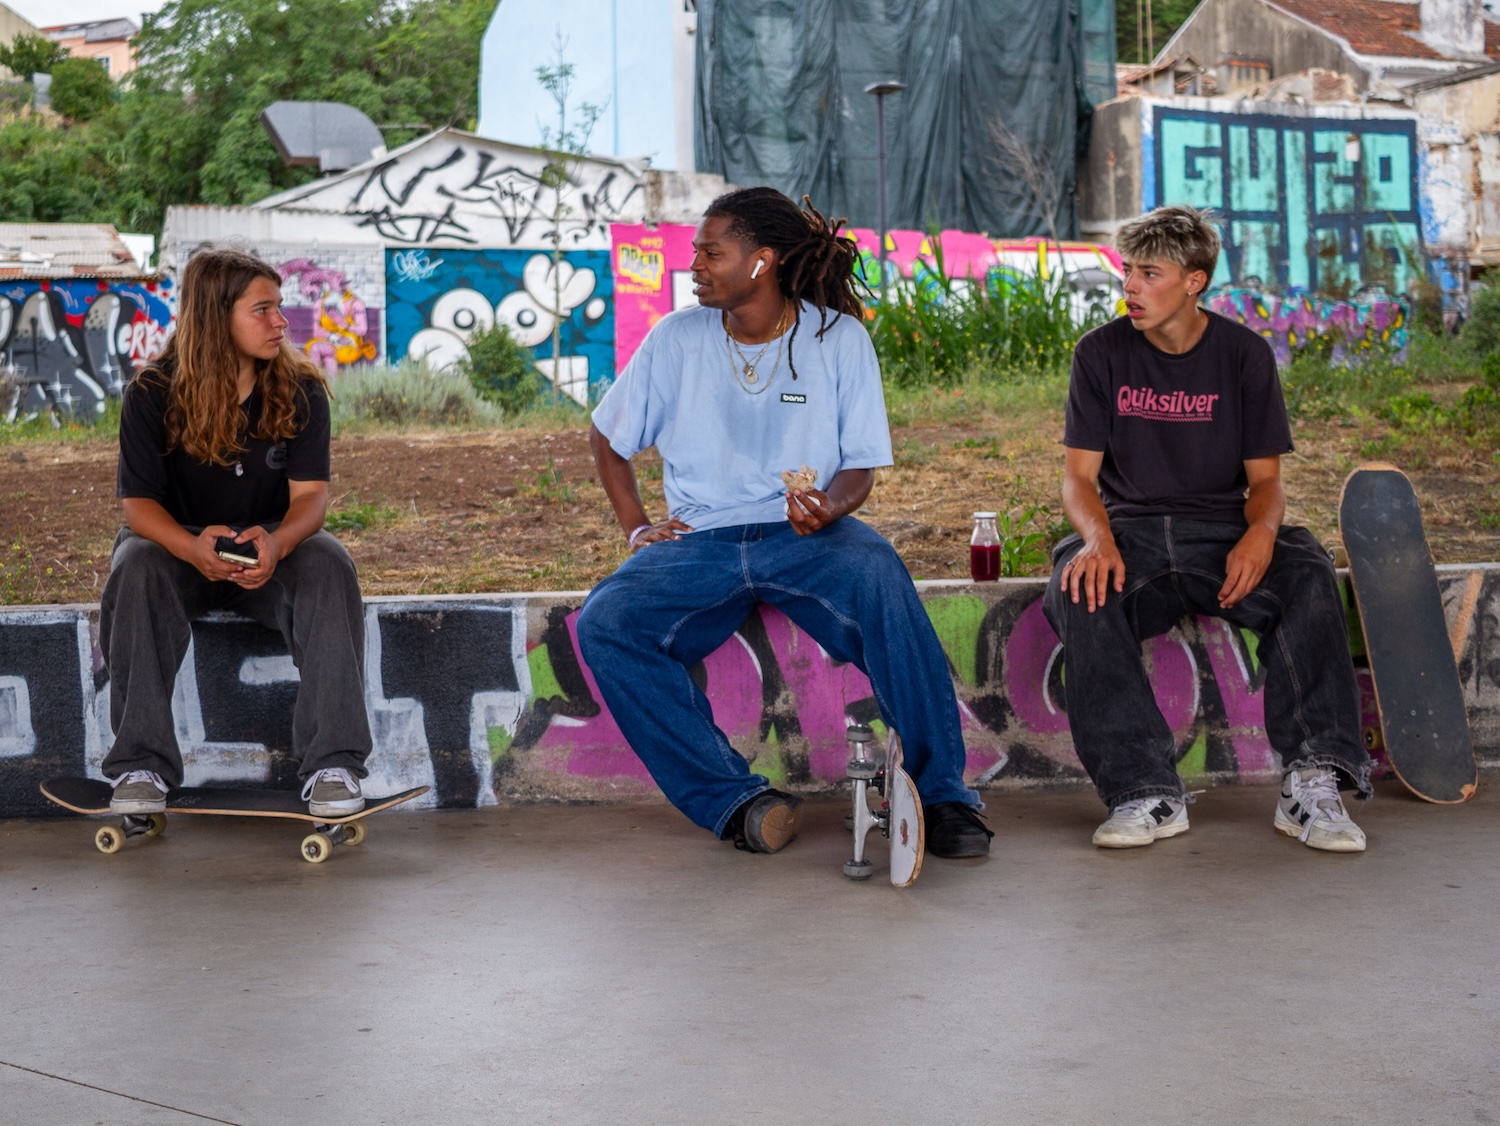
1378,27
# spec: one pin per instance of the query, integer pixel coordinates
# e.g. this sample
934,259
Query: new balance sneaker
1311,810
768,822
139,791
1135,823
333,792
955,830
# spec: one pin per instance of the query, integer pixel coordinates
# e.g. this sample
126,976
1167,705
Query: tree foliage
185,127
81,89
29,54
1137,37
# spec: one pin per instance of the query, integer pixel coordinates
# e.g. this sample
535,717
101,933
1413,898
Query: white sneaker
333,792
139,792
1135,823
1311,810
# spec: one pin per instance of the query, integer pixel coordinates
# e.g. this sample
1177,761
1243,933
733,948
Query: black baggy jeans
145,621
1175,567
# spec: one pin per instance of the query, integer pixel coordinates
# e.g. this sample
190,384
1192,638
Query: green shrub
81,89
1480,334
502,371
407,396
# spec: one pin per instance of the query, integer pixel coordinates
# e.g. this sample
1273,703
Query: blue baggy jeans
673,603
1175,567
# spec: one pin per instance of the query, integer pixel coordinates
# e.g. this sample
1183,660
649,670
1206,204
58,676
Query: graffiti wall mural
73,344
436,299
1306,204
487,700
326,319
1294,321
652,267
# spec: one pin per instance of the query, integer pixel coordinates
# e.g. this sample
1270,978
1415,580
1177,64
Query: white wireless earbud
759,266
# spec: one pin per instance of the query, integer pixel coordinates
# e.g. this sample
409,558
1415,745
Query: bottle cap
984,515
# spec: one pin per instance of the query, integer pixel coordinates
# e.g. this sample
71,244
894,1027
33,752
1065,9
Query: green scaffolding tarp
984,138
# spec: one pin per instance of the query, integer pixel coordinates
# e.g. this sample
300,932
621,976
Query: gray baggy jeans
145,621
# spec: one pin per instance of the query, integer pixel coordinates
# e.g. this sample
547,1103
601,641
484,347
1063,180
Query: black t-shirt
1176,431
251,490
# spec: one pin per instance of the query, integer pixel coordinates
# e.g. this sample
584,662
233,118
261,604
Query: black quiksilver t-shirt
251,490
1176,431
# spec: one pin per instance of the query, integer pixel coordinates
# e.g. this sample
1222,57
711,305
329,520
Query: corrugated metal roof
65,250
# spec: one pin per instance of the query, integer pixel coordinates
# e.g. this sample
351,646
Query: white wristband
630,540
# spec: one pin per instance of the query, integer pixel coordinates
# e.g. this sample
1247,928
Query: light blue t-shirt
723,449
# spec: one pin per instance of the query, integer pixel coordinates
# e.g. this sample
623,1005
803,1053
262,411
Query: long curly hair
200,364
817,262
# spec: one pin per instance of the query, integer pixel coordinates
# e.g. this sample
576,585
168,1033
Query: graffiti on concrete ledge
488,701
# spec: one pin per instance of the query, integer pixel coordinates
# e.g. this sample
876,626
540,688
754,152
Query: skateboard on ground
1423,723
89,795
899,817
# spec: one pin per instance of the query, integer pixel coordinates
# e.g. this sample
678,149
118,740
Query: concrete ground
615,965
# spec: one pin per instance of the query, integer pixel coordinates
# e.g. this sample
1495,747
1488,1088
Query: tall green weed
934,329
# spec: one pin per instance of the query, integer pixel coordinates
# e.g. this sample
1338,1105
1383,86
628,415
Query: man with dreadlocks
773,373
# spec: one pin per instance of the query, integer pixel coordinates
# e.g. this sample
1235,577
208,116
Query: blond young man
1172,480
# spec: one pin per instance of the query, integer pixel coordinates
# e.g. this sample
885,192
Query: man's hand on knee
1246,565
1087,575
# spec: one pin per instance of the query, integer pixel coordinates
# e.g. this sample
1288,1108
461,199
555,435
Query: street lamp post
880,90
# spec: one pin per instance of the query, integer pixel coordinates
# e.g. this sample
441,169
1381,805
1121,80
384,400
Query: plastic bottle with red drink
984,549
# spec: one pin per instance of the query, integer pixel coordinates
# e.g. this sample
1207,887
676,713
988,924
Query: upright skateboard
91,796
1424,725
900,816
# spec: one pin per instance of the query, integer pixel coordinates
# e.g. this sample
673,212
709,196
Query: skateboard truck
109,838
863,771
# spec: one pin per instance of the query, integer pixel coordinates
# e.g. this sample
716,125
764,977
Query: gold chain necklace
745,373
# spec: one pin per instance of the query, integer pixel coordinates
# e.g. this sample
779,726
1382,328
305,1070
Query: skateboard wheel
109,839
316,848
1373,739
356,831
861,769
858,869
158,825
848,822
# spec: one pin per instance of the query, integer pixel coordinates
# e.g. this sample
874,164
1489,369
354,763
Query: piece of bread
804,478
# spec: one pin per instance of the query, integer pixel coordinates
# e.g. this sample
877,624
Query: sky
50,13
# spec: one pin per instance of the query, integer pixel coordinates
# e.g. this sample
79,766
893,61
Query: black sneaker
955,830
768,822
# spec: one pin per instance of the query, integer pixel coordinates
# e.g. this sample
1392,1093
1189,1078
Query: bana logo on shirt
1174,406
788,397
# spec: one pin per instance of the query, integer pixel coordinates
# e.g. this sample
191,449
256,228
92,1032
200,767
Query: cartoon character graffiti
339,331
432,312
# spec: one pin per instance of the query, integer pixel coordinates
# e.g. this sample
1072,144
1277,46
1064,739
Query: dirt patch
520,510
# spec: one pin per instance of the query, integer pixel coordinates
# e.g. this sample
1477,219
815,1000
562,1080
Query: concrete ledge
485,698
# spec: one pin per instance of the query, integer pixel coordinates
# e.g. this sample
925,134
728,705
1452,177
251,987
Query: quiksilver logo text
1173,406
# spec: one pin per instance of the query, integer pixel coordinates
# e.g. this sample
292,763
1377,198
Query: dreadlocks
817,263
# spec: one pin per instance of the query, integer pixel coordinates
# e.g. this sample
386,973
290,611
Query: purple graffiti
1294,320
